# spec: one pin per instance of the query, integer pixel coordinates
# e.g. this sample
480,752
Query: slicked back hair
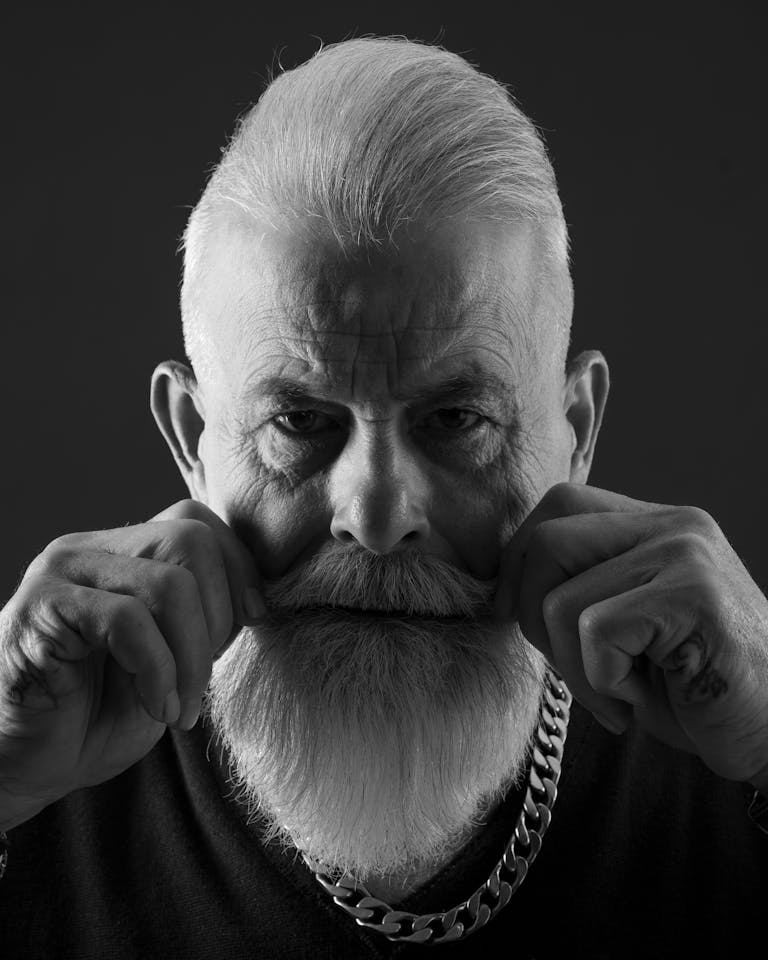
371,136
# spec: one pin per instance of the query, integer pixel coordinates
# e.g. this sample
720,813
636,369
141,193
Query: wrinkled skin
423,405
364,460
364,337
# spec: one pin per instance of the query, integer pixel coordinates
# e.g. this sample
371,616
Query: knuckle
688,547
128,613
697,519
544,539
54,558
709,592
174,586
196,529
564,494
590,624
555,607
26,601
67,541
31,611
193,536
186,509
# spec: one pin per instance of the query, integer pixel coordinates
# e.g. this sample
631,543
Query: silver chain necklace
520,852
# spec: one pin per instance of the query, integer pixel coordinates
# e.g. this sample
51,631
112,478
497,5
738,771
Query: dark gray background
656,124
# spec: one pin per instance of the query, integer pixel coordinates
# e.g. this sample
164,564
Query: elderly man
388,583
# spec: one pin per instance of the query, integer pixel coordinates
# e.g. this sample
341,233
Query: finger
613,635
243,576
564,500
666,623
189,534
552,624
75,621
623,638
187,544
567,548
171,594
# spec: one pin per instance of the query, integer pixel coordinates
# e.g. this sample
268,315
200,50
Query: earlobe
177,408
587,384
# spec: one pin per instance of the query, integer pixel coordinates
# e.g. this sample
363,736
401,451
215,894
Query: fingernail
191,714
253,604
611,725
171,708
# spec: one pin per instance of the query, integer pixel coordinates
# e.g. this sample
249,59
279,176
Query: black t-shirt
648,855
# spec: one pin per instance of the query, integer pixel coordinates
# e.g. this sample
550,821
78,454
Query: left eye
452,419
304,422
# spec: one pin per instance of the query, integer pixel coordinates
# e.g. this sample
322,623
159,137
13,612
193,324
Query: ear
586,391
176,403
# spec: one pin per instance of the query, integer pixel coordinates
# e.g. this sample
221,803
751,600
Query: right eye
305,423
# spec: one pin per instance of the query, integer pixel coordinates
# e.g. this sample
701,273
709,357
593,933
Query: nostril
345,536
378,522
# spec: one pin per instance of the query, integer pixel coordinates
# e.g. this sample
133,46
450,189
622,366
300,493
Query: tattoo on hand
703,680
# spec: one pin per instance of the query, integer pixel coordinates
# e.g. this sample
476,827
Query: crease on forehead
376,365
305,303
381,304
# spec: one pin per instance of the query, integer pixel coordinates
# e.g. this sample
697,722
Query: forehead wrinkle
395,294
319,354
342,381
370,320
312,293
393,342
451,310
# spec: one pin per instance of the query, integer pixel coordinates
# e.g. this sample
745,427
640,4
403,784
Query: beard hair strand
374,745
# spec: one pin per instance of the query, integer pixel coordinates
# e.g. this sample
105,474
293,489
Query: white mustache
407,583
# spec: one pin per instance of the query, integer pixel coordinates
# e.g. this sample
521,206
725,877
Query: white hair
373,744
372,135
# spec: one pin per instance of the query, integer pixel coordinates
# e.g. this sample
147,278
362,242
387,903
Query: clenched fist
651,619
111,636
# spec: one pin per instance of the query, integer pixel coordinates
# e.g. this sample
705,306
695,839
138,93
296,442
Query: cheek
553,442
277,519
478,511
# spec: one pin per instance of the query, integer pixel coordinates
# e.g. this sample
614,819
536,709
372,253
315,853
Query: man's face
375,427
407,398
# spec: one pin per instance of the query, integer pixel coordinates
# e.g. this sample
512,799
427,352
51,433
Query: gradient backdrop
656,122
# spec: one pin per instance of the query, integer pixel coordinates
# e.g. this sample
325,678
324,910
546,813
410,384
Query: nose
379,493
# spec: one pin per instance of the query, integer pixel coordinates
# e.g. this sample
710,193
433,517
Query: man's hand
105,632
650,617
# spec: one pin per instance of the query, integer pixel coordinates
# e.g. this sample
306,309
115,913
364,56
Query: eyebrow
473,387
480,385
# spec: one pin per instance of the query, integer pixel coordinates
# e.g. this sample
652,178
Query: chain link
520,852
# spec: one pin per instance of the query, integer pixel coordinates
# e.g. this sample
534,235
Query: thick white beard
375,743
